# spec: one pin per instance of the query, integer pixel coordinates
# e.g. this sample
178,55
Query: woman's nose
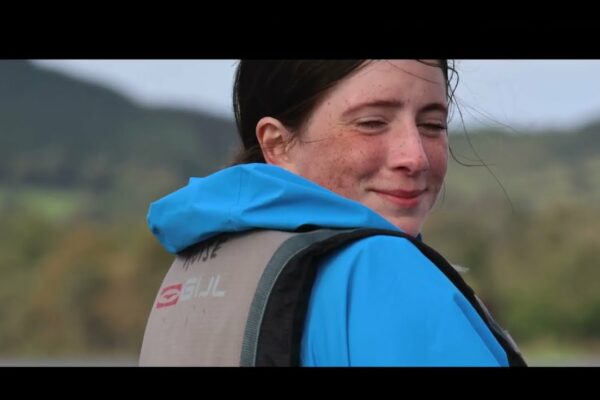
406,150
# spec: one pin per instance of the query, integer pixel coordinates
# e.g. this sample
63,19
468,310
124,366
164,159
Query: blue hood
252,196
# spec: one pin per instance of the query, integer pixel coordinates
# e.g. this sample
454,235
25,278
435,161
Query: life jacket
241,299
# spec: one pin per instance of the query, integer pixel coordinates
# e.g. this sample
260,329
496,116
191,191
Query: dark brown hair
287,90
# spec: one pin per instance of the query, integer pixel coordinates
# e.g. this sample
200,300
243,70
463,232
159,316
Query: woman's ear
274,139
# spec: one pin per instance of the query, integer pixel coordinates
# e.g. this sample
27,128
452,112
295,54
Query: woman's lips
402,198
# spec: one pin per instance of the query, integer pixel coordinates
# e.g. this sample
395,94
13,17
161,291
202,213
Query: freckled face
379,137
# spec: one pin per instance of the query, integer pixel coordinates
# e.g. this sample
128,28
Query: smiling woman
379,138
318,223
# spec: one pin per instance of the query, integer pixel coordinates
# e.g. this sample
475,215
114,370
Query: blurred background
86,145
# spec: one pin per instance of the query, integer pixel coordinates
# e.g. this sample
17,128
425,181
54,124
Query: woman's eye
372,124
433,128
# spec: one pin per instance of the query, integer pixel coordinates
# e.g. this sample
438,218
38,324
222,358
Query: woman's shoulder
381,301
382,260
382,275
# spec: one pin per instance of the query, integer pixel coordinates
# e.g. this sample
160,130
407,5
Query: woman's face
379,137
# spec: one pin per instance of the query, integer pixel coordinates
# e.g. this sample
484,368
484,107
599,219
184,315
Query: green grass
550,353
54,204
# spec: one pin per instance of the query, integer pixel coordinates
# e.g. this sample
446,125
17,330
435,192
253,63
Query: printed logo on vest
192,288
169,296
202,287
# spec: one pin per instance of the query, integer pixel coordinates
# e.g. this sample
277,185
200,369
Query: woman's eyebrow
387,103
394,103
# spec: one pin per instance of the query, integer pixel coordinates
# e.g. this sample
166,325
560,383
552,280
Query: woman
307,251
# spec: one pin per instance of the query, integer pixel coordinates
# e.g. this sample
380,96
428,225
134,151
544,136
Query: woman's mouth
402,198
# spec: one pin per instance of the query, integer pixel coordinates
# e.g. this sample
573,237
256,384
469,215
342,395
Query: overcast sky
529,94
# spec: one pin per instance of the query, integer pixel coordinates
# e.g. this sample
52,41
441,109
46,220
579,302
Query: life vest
241,299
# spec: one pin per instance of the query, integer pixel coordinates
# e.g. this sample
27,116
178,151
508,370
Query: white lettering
193,288
215,292
204,293
188,289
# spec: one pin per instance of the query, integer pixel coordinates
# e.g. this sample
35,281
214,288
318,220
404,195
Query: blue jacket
376,302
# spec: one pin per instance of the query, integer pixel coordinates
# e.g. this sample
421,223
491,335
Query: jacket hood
252,196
